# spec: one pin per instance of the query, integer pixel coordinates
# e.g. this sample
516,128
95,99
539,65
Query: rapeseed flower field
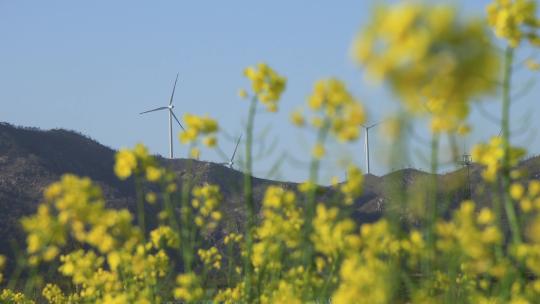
298,248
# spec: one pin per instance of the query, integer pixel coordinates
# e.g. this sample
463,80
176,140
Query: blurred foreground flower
435,62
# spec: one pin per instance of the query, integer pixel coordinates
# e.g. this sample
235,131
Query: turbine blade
174,89
178,121
235,148
156,109
373,125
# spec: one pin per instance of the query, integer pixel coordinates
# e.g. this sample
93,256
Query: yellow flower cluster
127,161
81,266
137,161
231,295
514,21
434,62
318,151
199,125
70,205
284,293
414,246
364,273
280,227
189,288
335,108
12,297
211,258
474,236
291,287
164,236
532,65
54,294
528,252
331,236
266,84
491,155
232,237
352,188
131,275
74,212
529,199
205,202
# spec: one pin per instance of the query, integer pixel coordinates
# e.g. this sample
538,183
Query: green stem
398,195
434,171
171,216
229,263
431,202
187,221
311,196
140,204
507,200
248,200
324,293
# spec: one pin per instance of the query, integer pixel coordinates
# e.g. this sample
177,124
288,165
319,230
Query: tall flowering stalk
436,64
335,111
506,164
267,87
515,22
198,128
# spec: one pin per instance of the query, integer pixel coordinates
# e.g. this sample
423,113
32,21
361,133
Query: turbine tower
230,163
170,108
366,145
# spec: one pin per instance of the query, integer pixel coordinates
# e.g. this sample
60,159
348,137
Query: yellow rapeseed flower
532,65
517,191
335,107
491,154
126,162
189,288
153,174
242,93
352,188
514,20
418,49
267,85
298,119
318,151
151,197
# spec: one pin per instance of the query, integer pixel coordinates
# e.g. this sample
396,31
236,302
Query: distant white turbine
230,163
366,145
170,107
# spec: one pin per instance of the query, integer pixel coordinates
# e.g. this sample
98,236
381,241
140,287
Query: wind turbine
230,163
366,145
170,107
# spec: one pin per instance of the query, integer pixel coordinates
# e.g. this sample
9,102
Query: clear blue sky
92,66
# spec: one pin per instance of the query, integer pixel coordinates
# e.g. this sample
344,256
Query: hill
31,159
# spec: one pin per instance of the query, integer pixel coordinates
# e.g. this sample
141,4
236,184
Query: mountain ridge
31,159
